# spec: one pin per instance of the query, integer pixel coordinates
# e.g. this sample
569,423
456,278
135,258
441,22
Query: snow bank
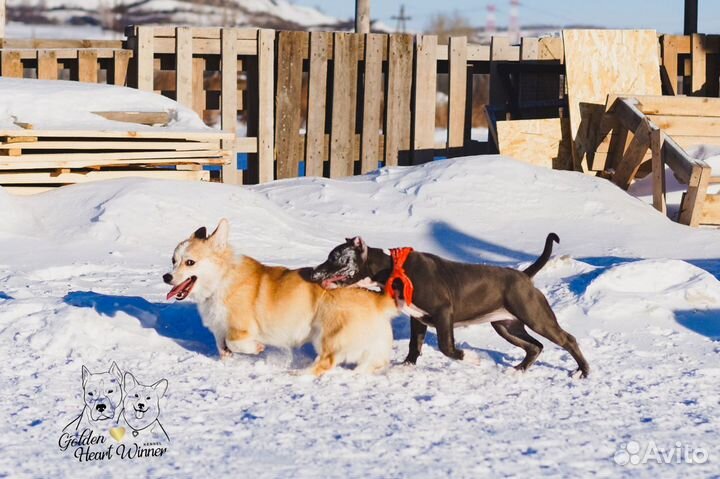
80,284
64,105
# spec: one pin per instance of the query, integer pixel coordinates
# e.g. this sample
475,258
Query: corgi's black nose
167,277
100,407
141,405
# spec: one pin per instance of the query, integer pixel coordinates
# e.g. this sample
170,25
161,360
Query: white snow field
80,284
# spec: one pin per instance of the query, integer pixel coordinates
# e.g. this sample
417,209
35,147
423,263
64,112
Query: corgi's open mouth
182,290
139,413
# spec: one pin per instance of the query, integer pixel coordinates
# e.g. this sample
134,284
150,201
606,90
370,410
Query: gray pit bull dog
449,294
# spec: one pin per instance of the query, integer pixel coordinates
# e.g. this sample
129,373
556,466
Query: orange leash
399,256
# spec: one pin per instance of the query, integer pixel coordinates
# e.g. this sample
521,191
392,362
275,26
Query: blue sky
666,16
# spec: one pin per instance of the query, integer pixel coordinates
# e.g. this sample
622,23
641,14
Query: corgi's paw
225,354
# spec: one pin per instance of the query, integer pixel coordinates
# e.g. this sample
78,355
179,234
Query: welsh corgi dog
248,305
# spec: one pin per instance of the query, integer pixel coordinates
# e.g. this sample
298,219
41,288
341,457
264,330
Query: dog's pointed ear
200,233
160,387
130,382
115,371
219,237
85,375
361,245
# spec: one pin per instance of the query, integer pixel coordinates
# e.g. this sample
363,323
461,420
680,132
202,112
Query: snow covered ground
80,284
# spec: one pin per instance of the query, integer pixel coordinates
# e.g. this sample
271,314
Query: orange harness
399,256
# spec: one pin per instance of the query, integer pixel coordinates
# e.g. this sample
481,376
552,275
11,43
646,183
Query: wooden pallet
661,127
32,161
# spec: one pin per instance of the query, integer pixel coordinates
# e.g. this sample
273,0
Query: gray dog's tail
544,257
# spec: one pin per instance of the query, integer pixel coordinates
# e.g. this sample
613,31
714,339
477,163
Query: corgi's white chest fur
214,315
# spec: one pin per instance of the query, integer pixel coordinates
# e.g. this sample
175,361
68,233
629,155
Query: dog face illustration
102,392
198,262
142,403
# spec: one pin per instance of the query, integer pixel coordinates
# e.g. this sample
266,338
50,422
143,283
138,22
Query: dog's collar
399,256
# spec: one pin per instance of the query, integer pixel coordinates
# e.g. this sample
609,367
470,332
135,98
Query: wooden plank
669,52
677,159
47,65
86,176
551,48
710,210
156,133
229,101
397,119
425,98
687,125
199,101
373,91
658,170
87,66
500,50
76,144
246,144
630,65
289,102
12,66
184,67
342,132
320,44
140,117
202,46
70,157
266,81
121,62
626,170
200,32
145,59
691,208
678,105
457,91
538,142
529,49
48,44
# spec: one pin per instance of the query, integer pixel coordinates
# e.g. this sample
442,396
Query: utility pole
691,17
362,16
401,20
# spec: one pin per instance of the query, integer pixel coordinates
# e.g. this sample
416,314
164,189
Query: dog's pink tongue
173,292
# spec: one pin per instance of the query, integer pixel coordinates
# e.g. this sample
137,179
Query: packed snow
63,105
80,284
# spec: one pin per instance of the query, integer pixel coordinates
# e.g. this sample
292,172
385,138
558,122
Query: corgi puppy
247,305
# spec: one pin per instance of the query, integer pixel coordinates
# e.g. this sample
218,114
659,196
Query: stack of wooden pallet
32,160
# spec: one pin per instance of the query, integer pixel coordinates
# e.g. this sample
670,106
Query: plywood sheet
538,142
603,62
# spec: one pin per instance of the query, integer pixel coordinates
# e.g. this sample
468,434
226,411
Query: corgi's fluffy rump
247,305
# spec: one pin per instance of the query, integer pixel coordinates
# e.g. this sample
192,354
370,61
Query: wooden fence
93,61
336,104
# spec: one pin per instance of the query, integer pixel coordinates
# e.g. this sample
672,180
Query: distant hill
116,14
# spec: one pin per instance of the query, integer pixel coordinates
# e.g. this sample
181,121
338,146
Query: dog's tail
544,257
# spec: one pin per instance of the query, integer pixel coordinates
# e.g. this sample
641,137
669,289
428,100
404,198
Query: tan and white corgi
247,305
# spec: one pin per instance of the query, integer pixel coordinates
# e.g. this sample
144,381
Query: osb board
602,62
538,142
